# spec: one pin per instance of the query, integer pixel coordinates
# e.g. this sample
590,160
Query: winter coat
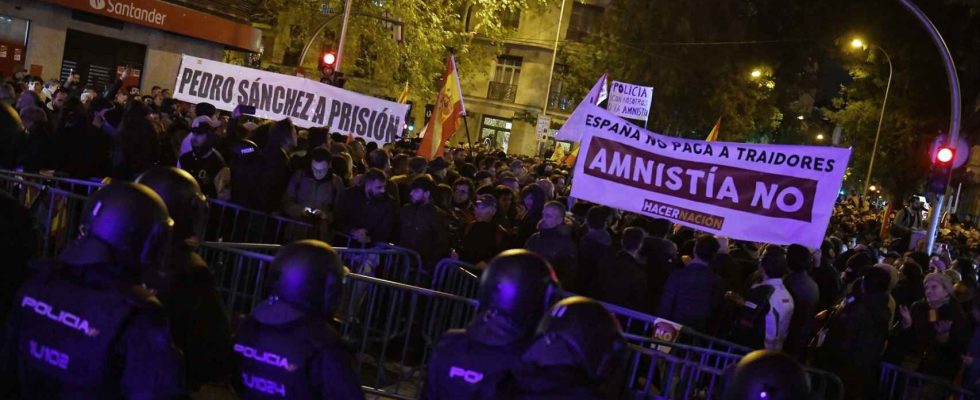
556,246
594,248
425,229
806,297
356,211
622,282
305,191
691,296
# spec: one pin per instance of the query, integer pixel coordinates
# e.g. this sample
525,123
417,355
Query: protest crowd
861,299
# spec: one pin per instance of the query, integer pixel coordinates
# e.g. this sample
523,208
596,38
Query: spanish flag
445,117
713,136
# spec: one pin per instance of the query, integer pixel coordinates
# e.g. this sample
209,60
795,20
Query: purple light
763,395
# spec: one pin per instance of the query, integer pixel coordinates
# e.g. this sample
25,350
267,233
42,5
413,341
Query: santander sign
129,10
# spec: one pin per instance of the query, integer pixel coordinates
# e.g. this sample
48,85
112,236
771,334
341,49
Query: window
510,19
495,132
505,78
585,18
508,69
558,99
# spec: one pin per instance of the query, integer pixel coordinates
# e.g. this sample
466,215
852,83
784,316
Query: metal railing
56,206
502,92
896,382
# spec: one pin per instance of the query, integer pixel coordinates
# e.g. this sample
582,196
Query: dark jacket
123,350
482,241
662,260
425,229
203,166
691,296
274,179
829,284
806,297
854,342
319,366
198,321
356,211
623,283
305,191
594,248
556,246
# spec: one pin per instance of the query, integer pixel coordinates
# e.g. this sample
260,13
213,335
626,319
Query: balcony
502,92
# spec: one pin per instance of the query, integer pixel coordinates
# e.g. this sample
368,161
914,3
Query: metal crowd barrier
896,383
229,222
56,205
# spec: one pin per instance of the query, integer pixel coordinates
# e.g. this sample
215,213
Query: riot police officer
185,286
82,327
577,352
769,375
286,348
515,290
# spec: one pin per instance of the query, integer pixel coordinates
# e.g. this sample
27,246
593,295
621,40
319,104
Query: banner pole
467,126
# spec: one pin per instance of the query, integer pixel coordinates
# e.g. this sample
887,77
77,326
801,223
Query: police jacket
469,365
81,329
284,353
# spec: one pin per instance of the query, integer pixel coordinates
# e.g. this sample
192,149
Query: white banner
630,101
276,96
780,194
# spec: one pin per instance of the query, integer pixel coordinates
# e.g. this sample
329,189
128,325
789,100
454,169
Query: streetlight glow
756,73
857,43
799,117
819,136
873,188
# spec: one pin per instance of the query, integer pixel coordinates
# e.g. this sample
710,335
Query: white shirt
780,313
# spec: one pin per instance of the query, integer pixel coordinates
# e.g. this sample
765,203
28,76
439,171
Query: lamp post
859,44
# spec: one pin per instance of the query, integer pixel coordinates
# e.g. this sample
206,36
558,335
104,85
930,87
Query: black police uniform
286,349
285,354
465,366
80,330
514,292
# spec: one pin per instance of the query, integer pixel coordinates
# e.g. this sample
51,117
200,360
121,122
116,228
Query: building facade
99,38
503,103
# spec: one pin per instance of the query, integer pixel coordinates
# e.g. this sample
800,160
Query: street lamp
857,43
873,188
756,73
819,136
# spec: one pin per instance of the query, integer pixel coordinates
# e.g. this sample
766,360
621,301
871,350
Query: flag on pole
713,136
445,117
570,159
403,98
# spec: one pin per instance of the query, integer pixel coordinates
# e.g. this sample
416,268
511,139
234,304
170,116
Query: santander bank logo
129,10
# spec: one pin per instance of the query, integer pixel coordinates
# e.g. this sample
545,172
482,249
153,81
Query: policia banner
779,194
276,96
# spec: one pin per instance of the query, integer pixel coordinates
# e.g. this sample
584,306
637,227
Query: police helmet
517,288
132,220
579,332
769,375
183,197
310,276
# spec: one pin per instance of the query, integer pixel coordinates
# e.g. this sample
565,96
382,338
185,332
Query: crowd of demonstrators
862,296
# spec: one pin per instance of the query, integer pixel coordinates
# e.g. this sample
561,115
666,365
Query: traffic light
328,60
942,166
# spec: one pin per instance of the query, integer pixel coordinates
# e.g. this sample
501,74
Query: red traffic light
944,155
329,58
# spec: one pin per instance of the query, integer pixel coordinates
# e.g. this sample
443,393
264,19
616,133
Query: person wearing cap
934,328
205,114
483,238
422,226
203,162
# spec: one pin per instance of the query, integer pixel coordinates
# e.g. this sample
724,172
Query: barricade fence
394,322
897,383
